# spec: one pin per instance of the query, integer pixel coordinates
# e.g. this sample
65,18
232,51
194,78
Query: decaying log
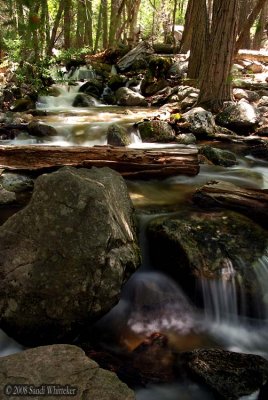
250,202
131,163
139,52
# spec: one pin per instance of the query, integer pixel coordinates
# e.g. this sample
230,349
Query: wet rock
205,244
92,88
75,246
41,130
16,182
108,96
6,197
186,138
229,375
83,100
241,118
202,122
156,131
127,97
149,87
178,69
255,67
118,136
260,150
117,81
68,368
23,105
221,157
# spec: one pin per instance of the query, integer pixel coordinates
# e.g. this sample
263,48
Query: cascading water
220,295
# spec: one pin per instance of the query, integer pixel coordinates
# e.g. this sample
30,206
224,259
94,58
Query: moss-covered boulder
93,87
225,158
118,136
204,245
116,81
156,131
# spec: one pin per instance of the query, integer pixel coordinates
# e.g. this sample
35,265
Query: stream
152,302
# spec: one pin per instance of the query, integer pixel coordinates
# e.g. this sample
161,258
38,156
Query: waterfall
220,295
261,270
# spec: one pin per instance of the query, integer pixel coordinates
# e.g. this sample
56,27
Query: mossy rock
118,136
117,81
22,105
203,245
221,157
159,66
156,131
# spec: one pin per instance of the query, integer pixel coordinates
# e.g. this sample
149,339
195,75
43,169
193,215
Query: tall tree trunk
99,26
249,22
55,27
199,40
104,24
215,77
80,23
67,23
259,34
245,9
88,40
188,28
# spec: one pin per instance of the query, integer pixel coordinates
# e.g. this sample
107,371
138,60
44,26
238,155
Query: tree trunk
188,28
249,22
260,28
199,39
88,38
245,9
98,31
67,24
104,24
55,27
215,77
134,163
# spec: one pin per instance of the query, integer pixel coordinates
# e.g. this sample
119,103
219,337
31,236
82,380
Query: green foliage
13,47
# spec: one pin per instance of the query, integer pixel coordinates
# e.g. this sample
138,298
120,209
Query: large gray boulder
62,370
242,118
201,121
64,257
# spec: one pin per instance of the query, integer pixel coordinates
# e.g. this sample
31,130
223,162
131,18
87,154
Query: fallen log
131,163
254,55
250,202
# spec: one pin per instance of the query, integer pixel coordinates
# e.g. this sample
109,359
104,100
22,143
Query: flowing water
151,301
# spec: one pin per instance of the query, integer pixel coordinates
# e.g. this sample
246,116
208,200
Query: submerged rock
156,131
92,88
65,256
229,375
118,136
62,370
